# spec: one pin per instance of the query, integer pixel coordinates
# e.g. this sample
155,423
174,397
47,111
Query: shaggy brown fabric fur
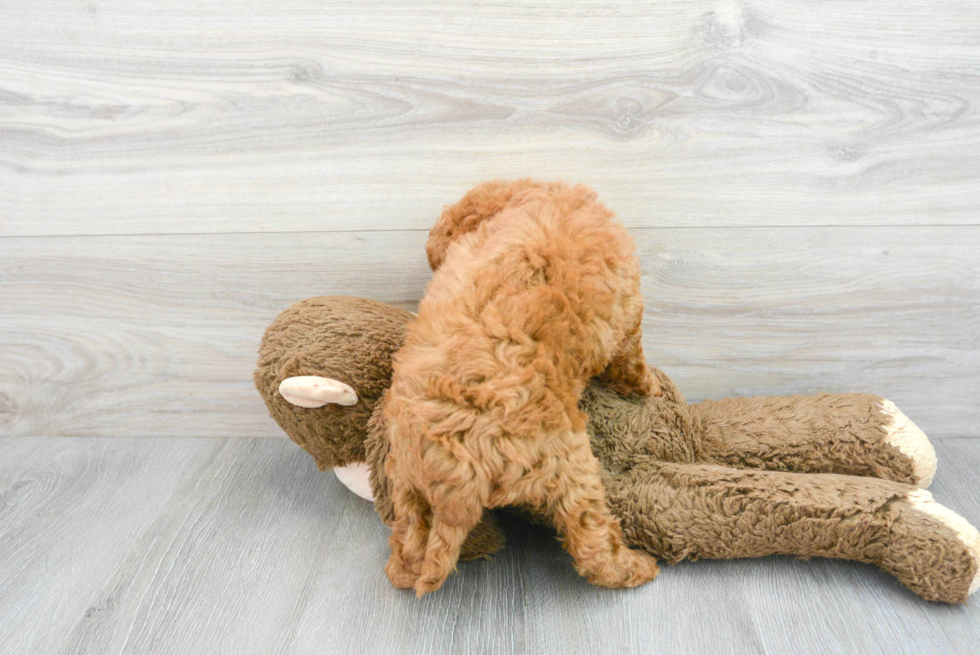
823,433
690,511
347,339
532,296
775,434
816,478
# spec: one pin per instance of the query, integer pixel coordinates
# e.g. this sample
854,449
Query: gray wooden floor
163,545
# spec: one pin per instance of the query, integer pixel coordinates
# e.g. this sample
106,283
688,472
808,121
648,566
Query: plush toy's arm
692,511
854,434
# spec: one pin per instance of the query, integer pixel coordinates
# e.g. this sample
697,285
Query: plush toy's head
323,365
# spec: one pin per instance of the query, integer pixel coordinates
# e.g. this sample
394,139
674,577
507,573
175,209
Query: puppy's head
480,204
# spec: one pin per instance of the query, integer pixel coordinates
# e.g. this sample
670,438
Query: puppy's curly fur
535,291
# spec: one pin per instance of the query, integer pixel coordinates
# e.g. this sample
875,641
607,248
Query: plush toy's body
826,475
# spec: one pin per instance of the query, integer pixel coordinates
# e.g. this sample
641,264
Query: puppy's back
535,301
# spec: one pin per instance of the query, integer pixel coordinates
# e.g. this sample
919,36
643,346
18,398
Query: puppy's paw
630,568
648,386
652,385
425,585
400,574
642,568
432,577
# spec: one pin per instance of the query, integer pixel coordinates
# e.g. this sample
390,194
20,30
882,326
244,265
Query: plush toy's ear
315,391
479,204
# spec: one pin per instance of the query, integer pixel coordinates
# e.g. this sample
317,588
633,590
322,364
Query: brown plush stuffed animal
827,475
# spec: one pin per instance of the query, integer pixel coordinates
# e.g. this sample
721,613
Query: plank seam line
643,228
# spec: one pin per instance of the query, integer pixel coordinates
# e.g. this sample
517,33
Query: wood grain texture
71,514
157,335
128,117
241,546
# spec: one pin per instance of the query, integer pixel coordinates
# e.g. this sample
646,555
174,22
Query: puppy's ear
480,204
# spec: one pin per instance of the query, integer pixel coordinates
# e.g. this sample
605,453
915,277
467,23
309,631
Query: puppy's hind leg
591,534
450,526
409,535
628,372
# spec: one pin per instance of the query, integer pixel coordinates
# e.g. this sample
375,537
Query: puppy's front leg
592,535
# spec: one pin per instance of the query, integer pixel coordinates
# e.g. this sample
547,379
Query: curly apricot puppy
535,291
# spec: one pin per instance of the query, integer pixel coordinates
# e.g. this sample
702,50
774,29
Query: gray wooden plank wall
802,180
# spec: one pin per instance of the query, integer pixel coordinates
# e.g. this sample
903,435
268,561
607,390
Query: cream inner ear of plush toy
315,391
357,478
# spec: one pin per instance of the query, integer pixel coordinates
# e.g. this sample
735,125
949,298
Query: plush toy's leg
679,511
853,434
576,500
628,372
